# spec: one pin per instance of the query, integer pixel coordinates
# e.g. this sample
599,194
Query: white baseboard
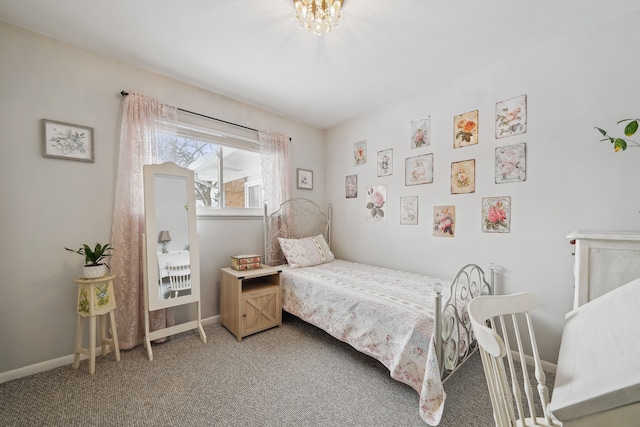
547,366
66,360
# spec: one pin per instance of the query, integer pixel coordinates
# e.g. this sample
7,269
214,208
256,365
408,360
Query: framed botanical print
409,210
421,132
463,177
496,214
418,170
360,153
67,141
351,186
444,221
511,116
465,129
511,163
376,206
304,179
385,162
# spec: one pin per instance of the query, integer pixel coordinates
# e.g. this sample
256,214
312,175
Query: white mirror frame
151,271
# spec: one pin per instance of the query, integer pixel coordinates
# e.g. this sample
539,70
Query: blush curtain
146,127
276,181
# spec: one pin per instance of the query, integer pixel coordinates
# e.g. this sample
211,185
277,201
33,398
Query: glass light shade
318,16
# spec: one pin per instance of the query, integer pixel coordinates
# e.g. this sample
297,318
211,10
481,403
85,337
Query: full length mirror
172,257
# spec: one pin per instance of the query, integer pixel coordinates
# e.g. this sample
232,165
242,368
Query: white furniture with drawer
604,261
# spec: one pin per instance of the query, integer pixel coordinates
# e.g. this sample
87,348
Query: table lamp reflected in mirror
164,238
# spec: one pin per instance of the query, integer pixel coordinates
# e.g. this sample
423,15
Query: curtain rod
125,93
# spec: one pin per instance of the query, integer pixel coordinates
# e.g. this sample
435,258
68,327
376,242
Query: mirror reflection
172,229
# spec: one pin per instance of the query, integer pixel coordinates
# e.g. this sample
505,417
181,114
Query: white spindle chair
495,347
179,278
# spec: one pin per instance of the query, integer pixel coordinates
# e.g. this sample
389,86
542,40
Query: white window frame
221,134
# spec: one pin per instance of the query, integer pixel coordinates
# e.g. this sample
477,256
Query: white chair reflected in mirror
179,278
496,321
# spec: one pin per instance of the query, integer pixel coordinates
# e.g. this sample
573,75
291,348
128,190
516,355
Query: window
227,167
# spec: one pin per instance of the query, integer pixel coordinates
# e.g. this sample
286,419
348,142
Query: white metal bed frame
455,343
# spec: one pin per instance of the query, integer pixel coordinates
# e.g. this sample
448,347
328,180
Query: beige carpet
296,375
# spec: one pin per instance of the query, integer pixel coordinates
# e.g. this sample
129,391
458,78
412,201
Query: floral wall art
409,210
463,177
385,162
360,153
418,170
444,221
67,141
376,203
496,214
511,116
465,129
511,164
351,186
420,132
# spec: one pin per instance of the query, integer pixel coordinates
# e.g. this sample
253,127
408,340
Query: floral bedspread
384,313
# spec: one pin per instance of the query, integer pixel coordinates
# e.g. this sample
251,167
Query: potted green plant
94,265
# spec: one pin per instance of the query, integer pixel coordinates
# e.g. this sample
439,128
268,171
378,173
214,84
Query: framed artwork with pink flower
376,203
465,129
385,162
351,186
421,132
511,116
444,221
463,177
496,214
409,210
418,170
360,153
511,163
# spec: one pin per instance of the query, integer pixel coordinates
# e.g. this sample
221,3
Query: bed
415,325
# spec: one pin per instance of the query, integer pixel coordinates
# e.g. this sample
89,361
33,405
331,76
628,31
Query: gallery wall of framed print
511,117
496,214
421,132
463,177
465,129
511,163
385,162
304,179
418,170
67,141
351,186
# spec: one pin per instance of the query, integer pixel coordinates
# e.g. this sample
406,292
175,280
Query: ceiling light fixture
318,16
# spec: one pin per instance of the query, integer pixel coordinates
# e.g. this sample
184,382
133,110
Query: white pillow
306,252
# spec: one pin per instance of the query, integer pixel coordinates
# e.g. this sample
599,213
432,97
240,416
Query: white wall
48,203
573,181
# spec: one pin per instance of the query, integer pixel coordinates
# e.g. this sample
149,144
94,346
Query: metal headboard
295,218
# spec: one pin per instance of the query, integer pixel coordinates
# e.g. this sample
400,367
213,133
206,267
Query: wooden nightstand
250,300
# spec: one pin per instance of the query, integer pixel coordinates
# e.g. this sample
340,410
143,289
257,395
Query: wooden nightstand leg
76,355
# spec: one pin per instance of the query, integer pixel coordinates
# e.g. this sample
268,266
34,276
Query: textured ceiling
253,50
